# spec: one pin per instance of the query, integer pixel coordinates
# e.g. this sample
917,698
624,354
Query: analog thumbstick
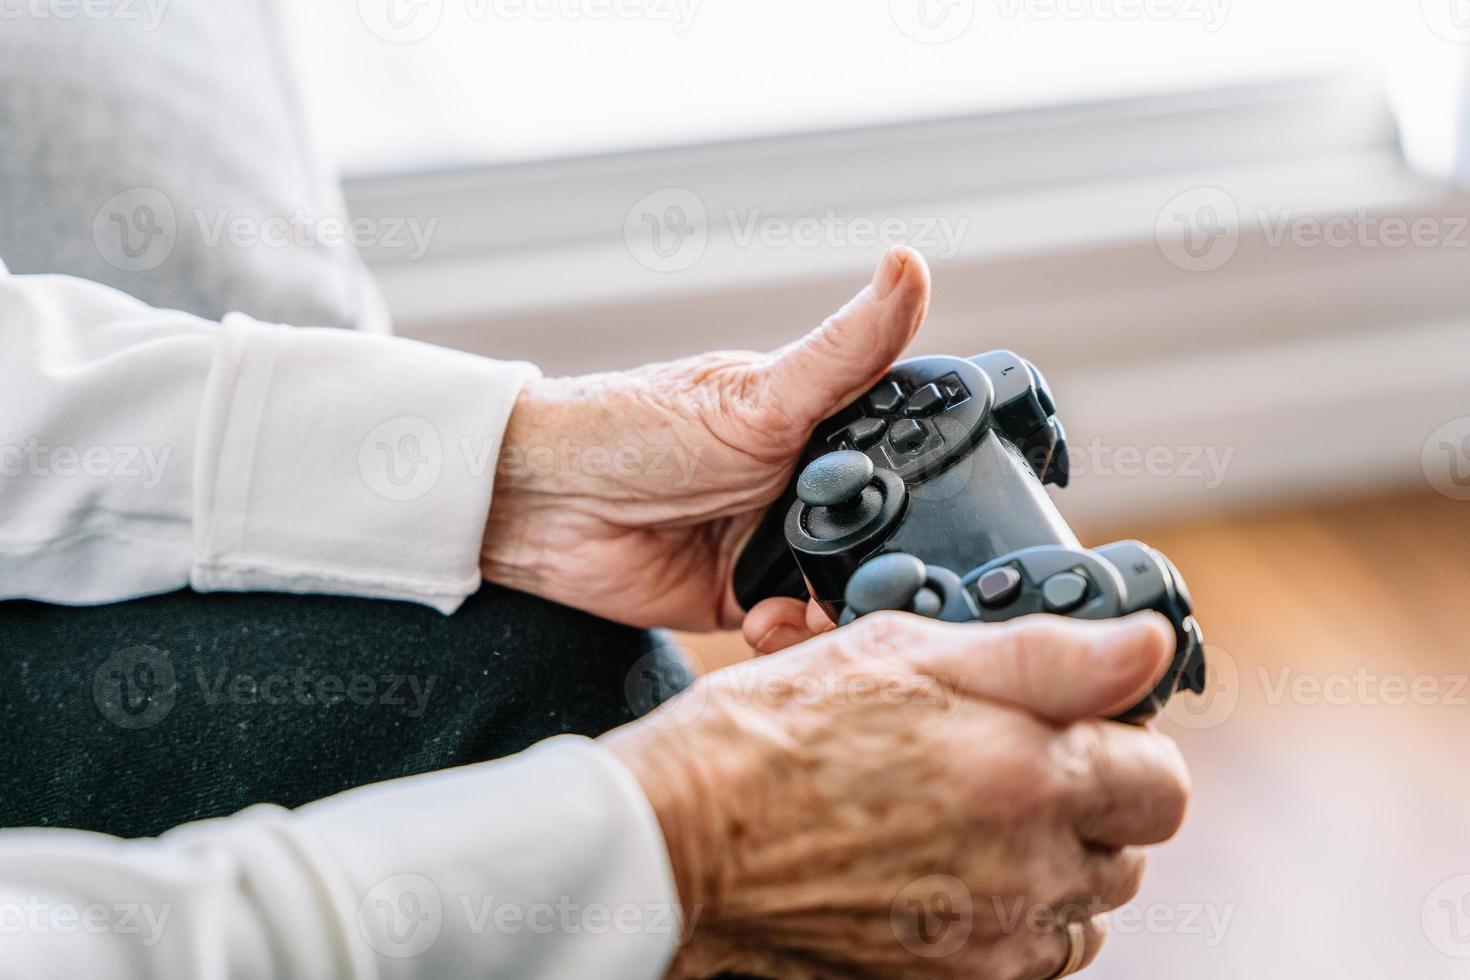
835,479
890,581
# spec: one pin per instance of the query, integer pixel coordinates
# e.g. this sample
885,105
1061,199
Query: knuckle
1085,757
1120,879
887,634
1172,789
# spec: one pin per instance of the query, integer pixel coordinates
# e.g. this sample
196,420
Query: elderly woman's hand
630,495
907,798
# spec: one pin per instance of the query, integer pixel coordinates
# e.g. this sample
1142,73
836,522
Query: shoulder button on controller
1063,592
886,398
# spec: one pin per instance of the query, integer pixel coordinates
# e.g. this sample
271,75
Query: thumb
1064,670
830,367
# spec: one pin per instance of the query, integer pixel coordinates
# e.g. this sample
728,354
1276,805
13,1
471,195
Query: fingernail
779,638
890,271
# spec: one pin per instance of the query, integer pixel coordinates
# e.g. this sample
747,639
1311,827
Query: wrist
684,796
533,484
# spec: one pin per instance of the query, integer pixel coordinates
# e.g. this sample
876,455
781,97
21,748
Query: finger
1064,670
1113,880
1053,948
1137,785
775,624
816,620
838,361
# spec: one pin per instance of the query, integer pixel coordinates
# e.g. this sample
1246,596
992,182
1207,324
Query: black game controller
926,495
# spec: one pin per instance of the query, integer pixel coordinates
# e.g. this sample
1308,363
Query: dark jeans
135,717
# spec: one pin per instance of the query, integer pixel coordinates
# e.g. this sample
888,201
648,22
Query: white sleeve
545,866
142,451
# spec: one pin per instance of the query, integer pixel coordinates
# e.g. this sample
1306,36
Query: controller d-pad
926,401
887,398
1063,592
907,436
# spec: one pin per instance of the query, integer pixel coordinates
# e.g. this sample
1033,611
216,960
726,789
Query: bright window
407,85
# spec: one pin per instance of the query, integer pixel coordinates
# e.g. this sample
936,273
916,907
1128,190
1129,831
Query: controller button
999,586
926,401
886,398
889,581
954,390
907,435
866,432
927,603
835,479
1063,592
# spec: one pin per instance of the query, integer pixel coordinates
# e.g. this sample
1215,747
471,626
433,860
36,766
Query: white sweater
142,451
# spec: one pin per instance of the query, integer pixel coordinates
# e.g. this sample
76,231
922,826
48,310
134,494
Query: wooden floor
1331,823
1389,577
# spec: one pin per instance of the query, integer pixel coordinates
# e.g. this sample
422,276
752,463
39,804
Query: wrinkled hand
908,798
630,494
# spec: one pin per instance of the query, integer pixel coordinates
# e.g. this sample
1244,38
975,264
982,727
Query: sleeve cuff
548,864
332,462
